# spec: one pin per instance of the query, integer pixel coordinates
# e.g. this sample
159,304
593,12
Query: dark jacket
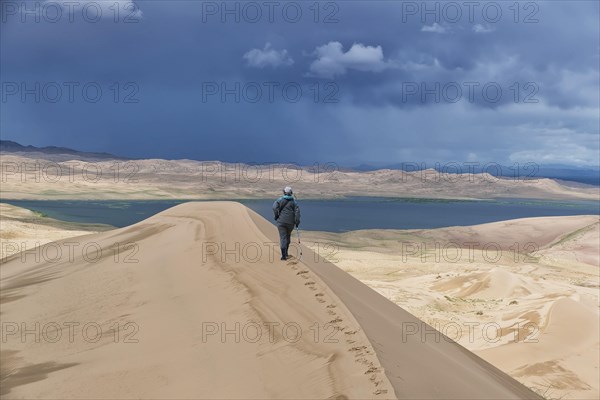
286,211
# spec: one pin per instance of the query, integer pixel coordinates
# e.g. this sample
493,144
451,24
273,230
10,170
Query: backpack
282,206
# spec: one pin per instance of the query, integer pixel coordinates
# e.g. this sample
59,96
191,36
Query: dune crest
194,322
194,303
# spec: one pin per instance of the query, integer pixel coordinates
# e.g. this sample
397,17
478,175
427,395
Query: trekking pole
299,245
298,232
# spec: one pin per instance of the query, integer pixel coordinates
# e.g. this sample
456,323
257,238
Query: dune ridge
166,298
157,318
529,305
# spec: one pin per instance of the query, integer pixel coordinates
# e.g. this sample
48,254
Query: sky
350,82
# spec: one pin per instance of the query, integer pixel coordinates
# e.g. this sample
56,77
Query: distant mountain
9,146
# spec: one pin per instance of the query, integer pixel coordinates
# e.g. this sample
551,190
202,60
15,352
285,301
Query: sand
531,309
44,177
154,313
22,229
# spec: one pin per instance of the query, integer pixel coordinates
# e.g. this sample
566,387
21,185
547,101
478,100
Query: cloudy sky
349,82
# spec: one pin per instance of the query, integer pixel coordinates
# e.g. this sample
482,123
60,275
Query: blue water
332,215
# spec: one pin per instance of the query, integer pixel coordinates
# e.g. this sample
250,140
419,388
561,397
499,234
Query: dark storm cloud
380,82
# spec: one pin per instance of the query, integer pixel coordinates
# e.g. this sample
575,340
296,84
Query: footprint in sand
302,272
335,321
380,391
331,306
311,285
357,348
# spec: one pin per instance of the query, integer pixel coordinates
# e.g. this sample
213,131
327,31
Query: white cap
287,190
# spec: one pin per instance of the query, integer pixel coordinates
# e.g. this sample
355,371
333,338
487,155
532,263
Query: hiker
287,215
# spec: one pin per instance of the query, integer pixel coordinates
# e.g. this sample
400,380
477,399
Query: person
287,215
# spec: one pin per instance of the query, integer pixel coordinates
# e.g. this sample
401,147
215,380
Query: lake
331,215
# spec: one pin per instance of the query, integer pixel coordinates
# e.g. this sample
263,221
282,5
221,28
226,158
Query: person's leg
283,240
288,239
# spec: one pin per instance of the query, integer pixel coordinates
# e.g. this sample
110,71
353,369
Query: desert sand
193,303
44,177
22,229
523,294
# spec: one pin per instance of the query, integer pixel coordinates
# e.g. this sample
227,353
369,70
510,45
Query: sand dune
152,313
562,357
40,176
24,229
531,308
